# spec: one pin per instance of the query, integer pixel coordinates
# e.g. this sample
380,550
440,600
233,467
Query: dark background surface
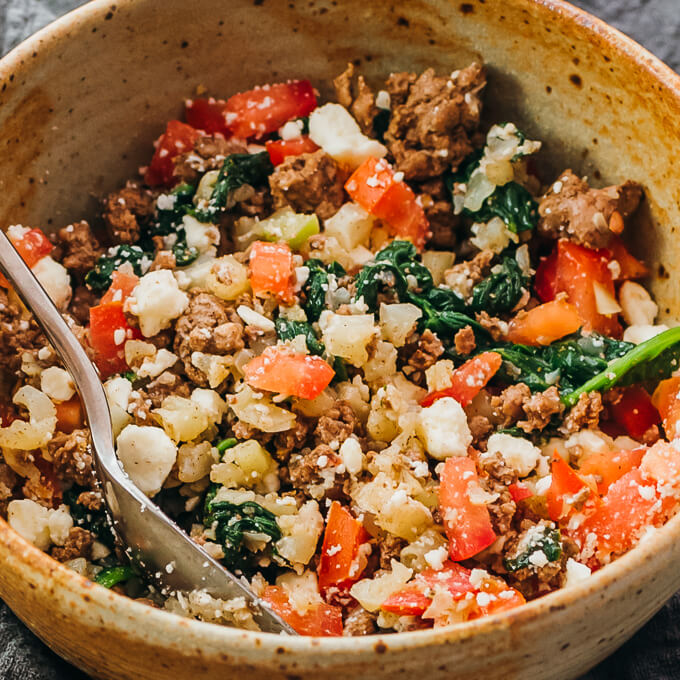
654,653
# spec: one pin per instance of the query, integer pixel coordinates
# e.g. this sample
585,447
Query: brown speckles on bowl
131,88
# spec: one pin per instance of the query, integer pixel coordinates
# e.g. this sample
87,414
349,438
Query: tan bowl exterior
80,103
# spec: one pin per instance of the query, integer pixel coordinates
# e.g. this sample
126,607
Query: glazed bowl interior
80,104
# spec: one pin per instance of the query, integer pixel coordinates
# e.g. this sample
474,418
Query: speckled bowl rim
159,621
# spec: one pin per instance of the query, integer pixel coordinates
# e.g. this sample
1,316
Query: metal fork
157,545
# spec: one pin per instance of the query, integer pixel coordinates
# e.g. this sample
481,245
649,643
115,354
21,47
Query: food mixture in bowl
363,352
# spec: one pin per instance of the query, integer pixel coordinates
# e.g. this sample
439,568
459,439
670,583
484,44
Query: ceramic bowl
80,103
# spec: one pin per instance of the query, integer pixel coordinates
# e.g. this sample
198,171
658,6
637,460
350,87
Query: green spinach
99,278
547,541
287,330
237,170
501,290
231,521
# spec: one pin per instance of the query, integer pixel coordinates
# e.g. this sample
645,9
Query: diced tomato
519,491
375,187
339,564
565,487
609,466
467,523
121,287
661,463
501,598
279,370
625,511
109,331
7,414
32,247
264,110
208,115
271,269
635,412
572,269
468,379
324,620
415,597
631,267
280,149
544,324
178,138
69,415
545,281
666,398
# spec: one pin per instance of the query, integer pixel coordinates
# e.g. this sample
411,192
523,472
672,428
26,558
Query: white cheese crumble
334,129
156,301
147,455
576,572
443,429
55,280
517,452
436,558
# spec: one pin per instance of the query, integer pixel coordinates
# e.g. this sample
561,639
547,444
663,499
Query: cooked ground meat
163,259
573,210
538,580
304,469
71,457
495,467
464,340
480,428
354,94
497,328
390,548
432,119
164,385
312,182
540,408
336,424
207,325
501,509
78,544
429,349
81,301
8,480
290,440
464,276
436,201
509,403
80,248
126,210
16,333
92,500
359,622
208,153
585,414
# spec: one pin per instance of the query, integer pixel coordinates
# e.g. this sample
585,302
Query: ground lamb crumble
343,348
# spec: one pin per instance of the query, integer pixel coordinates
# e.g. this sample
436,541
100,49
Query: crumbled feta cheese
543,484
200,235
517,452
147,455
56,383
576,572
436,558
152,367
291,130
59,524
156,301
31,520
352,456
483,599
166,201
538,558
443,429
55,280
334,129
382,100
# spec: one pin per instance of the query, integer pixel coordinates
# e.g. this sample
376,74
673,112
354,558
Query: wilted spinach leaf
99,278
547,541
501,290
287,330
237,170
